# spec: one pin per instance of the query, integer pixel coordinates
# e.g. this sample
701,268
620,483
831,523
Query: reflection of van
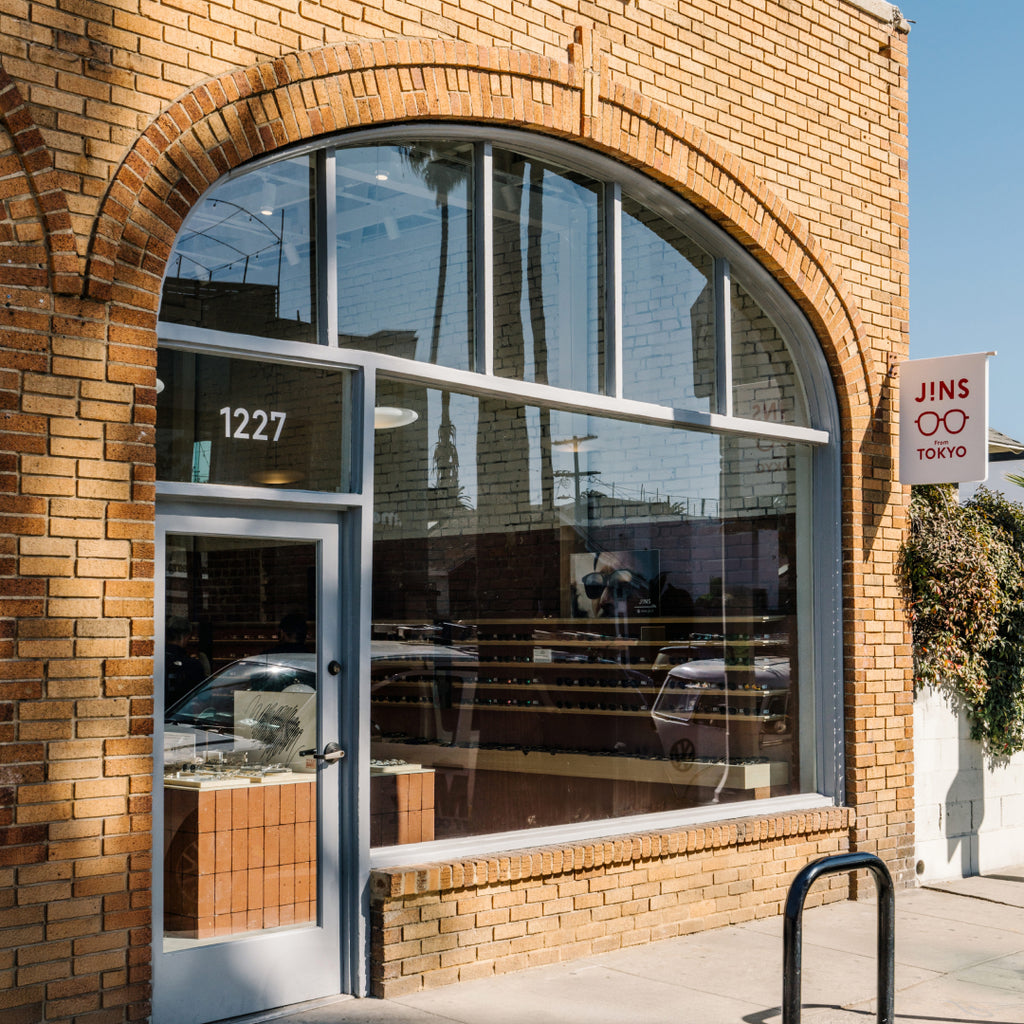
716,711
669,657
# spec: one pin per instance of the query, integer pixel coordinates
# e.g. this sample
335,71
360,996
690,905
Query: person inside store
182,671
291,635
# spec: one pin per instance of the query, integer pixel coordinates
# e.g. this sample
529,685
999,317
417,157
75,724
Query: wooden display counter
756,776
239,854
401,805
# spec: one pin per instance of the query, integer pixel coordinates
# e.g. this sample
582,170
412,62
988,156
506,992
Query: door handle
332,753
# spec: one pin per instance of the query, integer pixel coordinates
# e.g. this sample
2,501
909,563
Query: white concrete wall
997,473
969,817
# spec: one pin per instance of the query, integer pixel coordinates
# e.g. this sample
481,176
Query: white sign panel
944,419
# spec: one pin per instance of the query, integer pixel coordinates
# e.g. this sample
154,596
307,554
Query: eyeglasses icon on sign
954,419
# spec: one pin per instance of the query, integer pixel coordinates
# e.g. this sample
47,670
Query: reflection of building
210,301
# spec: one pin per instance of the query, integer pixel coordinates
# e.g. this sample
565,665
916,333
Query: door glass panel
240,707
246,260
238,421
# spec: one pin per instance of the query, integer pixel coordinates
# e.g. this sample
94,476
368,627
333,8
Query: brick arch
247,113
36,220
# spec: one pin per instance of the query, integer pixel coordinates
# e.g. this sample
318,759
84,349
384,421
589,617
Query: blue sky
966,194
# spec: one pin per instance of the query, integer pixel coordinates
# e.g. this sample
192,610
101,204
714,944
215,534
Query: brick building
503,397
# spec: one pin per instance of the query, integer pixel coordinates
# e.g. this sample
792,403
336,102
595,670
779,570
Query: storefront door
249,764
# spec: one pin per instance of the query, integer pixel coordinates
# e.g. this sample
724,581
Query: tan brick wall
435,924
74,723
785,123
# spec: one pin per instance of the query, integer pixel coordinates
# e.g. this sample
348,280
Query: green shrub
962,572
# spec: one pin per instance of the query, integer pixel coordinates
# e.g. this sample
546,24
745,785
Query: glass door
247,766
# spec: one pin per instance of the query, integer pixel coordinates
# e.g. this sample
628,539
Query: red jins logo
940,390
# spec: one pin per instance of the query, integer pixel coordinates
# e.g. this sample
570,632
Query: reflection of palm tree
535,272
535,263
519,273
441,176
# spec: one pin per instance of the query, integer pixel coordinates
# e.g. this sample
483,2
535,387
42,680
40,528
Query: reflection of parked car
393,659
260,709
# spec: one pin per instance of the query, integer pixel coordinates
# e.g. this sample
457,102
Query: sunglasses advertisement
615,584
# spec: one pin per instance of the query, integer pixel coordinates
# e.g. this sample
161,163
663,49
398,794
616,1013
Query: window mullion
326,248
613,290
723,337
483,276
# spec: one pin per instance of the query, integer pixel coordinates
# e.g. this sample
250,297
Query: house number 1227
257,419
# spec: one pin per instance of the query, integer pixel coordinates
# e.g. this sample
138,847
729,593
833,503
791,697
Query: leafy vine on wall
962,573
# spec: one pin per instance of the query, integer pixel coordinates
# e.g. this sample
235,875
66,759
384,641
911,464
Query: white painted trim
581,832
209,342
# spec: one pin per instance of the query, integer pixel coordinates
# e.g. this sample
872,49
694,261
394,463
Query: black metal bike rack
792,930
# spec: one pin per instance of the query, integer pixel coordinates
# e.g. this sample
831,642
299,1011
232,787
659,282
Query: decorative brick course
434,924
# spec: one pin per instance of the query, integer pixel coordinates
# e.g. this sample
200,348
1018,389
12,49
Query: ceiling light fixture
267,198
276,477
387,417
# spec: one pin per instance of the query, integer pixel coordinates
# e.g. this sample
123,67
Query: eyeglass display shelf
591,625
571,645
229,779
540,708
711,630
759,775
611,645
533,685
736,716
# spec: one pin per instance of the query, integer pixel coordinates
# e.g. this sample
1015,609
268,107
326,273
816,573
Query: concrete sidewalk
959,958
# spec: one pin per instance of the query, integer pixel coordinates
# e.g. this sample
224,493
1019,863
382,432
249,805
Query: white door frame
277,968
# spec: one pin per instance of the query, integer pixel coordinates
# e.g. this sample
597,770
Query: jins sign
944,419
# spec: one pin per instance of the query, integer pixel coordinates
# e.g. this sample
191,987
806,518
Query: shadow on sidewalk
775,1012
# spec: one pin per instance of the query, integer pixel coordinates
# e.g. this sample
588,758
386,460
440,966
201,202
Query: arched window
603,476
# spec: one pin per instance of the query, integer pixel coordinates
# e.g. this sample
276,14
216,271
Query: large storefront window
582,618
765,383
603,477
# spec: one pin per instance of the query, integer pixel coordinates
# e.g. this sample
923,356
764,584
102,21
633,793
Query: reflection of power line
647,500
211,232
576,444
576,474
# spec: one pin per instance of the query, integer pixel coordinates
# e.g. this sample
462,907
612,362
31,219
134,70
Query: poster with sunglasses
614,584
944,419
